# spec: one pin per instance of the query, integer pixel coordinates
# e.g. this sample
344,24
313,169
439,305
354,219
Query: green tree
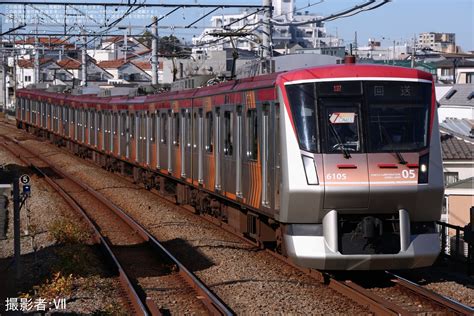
170,45
146,39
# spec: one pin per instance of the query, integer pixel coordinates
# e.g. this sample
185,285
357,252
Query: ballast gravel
94,289
247,279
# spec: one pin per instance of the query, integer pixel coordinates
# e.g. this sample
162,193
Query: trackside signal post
9,180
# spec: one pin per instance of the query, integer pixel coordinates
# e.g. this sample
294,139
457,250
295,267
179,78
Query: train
337,167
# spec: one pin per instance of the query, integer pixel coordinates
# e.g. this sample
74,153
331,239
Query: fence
455,244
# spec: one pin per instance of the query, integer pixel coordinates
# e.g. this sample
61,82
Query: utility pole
16,225
267,38
84,60
154,52
4,90
125,45
355,44
393,59
413,52
36,63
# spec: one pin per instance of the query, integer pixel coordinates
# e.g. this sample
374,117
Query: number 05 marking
408,174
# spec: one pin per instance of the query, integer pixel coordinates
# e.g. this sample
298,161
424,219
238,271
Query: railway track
151,281
389,301
400,296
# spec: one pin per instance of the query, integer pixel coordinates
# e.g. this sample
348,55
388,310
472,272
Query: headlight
423,164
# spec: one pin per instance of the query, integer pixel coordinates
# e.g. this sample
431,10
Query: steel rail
453,306
213,303
357,293
125,281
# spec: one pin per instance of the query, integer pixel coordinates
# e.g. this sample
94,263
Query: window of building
252,135
209,132
27,78
470,78
228,133
451,177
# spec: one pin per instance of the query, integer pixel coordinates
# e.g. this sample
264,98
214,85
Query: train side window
188,129
209,132
252,135
195,130
132,125
116,123
164,127
176,129
228,133
99,125
153,128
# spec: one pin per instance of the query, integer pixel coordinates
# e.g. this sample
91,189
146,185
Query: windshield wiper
389,140
339,144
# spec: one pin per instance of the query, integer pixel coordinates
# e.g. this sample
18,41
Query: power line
120,4
345,13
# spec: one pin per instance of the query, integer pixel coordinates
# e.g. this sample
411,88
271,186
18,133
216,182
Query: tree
146,39
170,45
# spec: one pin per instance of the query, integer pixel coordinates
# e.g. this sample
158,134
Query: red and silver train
337,167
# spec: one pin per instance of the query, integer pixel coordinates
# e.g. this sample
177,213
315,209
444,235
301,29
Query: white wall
464,169
458,112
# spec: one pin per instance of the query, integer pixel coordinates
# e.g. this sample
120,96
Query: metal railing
455,246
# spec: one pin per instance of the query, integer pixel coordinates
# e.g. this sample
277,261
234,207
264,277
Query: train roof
232,87
354,71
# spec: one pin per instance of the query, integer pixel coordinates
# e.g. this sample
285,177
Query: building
118,47
459,198
458,167
307,35
64,72
458,156
376,52
455,69
439,42
458,102
336,51
50,47
125,71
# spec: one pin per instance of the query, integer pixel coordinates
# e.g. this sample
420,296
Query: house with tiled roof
117,47
47,42
458,167
65,72
25,73
53,47
458,102
125,71
460,67
458,156
95,73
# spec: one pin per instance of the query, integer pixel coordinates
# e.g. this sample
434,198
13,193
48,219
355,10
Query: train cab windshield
355,116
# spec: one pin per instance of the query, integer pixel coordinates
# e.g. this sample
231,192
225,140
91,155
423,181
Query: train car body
338,166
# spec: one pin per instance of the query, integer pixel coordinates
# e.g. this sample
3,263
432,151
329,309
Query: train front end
361,168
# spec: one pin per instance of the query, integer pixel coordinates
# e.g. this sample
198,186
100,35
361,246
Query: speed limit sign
25,179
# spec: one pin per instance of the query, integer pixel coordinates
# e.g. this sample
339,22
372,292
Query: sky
399,20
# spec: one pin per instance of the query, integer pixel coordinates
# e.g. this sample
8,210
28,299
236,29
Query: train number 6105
336,176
